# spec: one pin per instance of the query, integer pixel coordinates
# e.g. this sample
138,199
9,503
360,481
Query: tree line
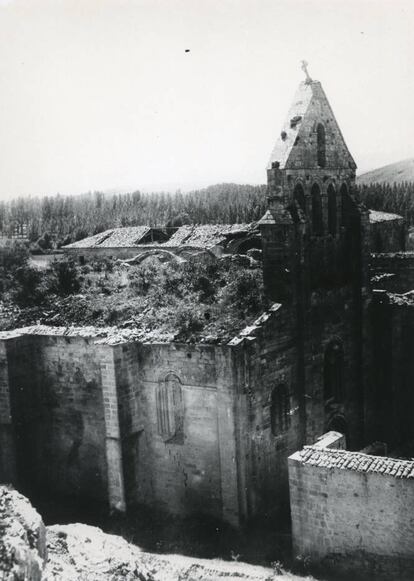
53,221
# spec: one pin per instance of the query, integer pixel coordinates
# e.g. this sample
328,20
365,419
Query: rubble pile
22,538
79,551
29,551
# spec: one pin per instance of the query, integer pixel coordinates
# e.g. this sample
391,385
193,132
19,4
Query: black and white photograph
206,290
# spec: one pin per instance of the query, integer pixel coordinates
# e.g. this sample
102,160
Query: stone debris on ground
22,538
85,553
405,299
29,551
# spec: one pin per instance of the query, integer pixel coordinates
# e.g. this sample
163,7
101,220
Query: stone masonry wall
7,447
264,357
353,513
392,404
388,236
198,471
58,414
89,254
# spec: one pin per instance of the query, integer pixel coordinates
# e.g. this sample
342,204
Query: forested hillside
401,171
51,221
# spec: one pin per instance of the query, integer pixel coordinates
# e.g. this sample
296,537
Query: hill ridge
397,172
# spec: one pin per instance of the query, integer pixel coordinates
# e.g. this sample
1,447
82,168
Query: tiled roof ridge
206,235
191,235
90,240
119,237
357,461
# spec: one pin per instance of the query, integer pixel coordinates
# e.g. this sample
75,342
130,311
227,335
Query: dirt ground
85,553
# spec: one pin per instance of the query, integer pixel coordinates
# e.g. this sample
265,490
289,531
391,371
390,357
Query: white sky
100,94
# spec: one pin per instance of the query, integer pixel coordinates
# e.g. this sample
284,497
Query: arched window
317,215
321,145
280,410
299,197
338,424
333,372
170,409
331,210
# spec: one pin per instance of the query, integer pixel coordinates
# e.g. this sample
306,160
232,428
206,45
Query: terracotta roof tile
115,238
205,236
357,461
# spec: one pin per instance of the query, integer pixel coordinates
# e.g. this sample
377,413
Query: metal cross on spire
305,70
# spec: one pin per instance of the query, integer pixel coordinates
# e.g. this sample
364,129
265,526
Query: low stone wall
387,235
352,512
162,251
393,271
22,538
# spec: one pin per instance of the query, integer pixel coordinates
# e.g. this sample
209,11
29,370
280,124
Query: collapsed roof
208,235
116,238
204,236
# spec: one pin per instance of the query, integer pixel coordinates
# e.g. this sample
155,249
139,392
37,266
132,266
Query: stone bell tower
315,256
311,175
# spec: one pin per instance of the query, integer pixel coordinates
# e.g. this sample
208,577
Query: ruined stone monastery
198,428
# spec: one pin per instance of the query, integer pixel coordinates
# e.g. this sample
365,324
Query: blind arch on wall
299,197
170,409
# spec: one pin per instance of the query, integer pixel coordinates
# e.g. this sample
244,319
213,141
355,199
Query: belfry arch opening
299,197
317,213
321,145
332,213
